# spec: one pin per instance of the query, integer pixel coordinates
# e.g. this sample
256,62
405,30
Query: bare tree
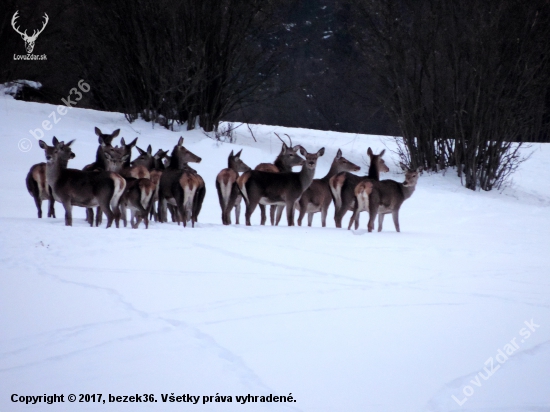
464,80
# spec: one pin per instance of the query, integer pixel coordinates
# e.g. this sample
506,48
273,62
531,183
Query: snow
341,320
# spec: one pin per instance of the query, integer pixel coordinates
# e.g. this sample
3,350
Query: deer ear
231,154
115,133
321,151
149,149
284,148
382,153
122,142
42,144
303,151
141,151
369,152
339,154
55,142
403,166
132,143
180,141
239,153
69,143
97,131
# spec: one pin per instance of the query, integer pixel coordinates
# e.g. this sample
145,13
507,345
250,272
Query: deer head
29,40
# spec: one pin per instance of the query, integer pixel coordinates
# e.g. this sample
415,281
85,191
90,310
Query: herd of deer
114,183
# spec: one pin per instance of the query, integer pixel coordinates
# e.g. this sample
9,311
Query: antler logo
29,40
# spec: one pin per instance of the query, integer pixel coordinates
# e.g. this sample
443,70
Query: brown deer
99,164
76,187
387,196
285,161
228,191
122,167
155,166
282,189
181,186
362,192
103,139
317,197
139,193
342,185
39,189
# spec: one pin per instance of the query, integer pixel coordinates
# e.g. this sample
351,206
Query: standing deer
285,161
181,186
282,189
228,191
342,185
103,139
29,40
387,196
39,189
76,187
155,166
139,193
317,197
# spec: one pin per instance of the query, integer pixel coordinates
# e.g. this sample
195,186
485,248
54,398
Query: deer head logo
29,40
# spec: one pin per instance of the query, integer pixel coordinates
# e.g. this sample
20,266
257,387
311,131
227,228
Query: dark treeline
460,81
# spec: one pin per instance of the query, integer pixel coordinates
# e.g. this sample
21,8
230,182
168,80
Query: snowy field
451,314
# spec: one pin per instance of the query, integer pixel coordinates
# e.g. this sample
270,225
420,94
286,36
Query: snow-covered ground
339,320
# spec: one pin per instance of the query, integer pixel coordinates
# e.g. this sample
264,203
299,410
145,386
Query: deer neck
333,171
374,172
54,170
408,191
306,176
281,165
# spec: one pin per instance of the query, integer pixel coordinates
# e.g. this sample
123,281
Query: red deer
99,164
155,166
39,189
228,191
103,139
342,185
181,186
282,189
387,196
76,187
139,193
285,161
317,197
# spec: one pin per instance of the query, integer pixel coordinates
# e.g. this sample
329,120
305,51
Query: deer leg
250,207
38,204
68,212
51,206
272,211
162,210
98,217
290,213
381,221
324,212
302,210
106,208
237,211
395,215
357,217
263,218
90,216
122,211
339,215
310,218
280,210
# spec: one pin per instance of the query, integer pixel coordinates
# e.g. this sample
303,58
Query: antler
13,19
36,33
290,140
